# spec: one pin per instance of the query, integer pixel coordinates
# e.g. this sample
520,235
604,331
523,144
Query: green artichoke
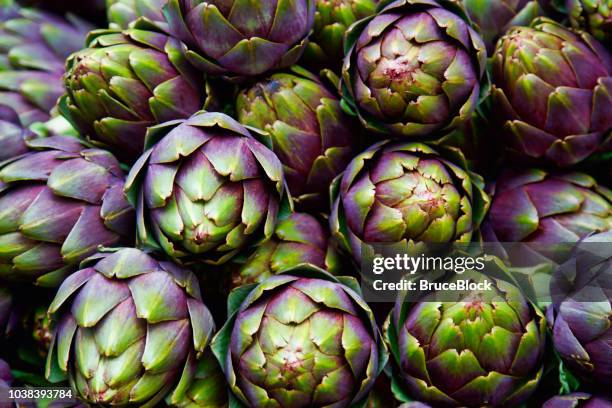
123,13
553,93
130,328
299,238
578,400
12,134
594,16
479,351
33,48
206,190
413,69
542,207
404,193
58,203
305,126
331,21
207,388
241,38
300,339
126,82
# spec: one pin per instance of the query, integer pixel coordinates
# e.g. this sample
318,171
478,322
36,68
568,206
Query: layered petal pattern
123,13
58,203
594,16
126,82
414,69
553,93
300,339
299,238
305,126
479,351
33,48
241,38
406,192
206,190
12,134
130,328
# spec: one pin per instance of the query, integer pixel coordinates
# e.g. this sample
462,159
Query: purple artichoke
404,193
553,93
6,378
484,350
578,400
126,82
540,207
300,339
130,329
305,126
33,48
299,238
206,190
58,203
241,38
414,69
12,134
580,316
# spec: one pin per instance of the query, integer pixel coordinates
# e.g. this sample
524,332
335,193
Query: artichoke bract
58,203
241,38
538,206
578,400
496,17
129,329
594,16
332,20
299,238
123,13
206,190
413,69
126,82
300,339
12,134
483,350
306,128
580,316
33,48
206,389
552,91
403,193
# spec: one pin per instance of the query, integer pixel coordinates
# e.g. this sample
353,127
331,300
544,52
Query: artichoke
594,16
577,400
207,388
483,350
496,17
541,207
299,238
241,38
580,317
58,203
300,339
413,69
552,91
33,48
6,378
9,313
129,328
206,190
331,21
123,13
126,82
305,126
404,193
12,134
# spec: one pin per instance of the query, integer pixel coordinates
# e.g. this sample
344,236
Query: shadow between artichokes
205,189
303,338
413,69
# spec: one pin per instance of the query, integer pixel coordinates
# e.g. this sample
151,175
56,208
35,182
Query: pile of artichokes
190,191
